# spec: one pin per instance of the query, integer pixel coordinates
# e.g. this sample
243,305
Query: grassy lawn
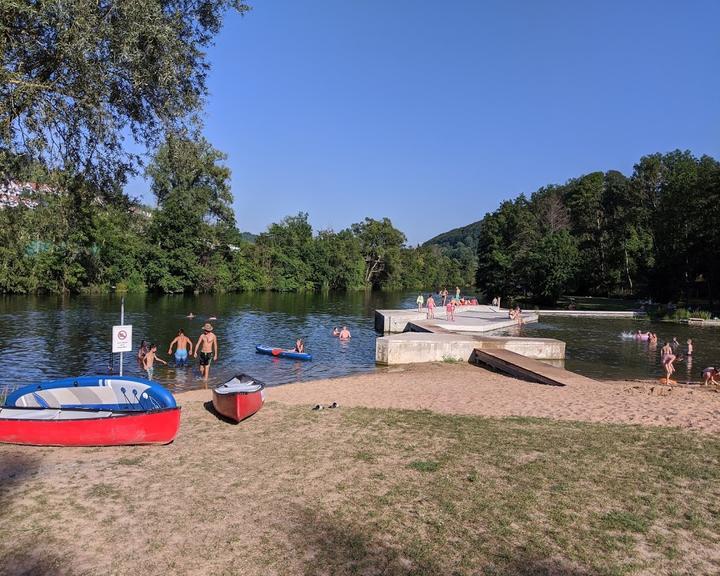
358,491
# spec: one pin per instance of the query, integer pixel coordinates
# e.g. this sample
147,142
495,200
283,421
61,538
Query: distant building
14,193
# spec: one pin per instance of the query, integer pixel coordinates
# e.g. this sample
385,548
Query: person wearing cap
207,348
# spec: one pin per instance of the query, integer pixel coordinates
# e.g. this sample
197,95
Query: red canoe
239,398
62,427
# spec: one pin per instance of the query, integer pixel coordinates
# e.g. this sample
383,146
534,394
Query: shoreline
464,389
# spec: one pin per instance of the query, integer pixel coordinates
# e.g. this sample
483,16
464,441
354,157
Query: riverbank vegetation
363,491
653,233
87,241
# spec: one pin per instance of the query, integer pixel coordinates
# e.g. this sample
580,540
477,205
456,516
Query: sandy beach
466,389
417,473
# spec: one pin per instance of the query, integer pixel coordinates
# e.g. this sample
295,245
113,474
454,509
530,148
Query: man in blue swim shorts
184,348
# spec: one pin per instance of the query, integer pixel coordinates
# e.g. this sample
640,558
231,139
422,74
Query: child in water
149,361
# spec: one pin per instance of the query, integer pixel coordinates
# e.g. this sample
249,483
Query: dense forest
655,233
92,240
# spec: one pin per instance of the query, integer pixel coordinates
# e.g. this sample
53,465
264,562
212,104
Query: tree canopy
78,78
653,233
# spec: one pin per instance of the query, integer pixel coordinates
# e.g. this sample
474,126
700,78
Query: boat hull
151,427
238,407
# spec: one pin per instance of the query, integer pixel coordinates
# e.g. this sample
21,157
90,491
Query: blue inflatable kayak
282,353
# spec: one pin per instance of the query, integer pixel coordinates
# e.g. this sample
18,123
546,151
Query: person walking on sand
430,306
184,347
149,361
420,301
345,333
207,347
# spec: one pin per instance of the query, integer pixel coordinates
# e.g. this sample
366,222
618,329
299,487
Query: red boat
239,398
90,411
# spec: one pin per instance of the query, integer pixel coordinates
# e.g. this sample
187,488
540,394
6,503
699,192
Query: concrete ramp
526,368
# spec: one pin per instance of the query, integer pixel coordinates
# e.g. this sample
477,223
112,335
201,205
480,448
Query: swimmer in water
336,332
689,347
345,333
191,315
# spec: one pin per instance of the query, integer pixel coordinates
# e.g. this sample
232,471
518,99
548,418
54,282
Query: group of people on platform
449,304
206,349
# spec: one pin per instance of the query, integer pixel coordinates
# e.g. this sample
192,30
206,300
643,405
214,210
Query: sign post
122,336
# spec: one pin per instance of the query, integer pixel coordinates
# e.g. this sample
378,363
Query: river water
596,348
48,337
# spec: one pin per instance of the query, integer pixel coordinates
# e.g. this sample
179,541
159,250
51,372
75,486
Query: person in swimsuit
450,311
689,347
299,346
444,295
149,361
336,332
141,352
182,343
430,306
457,293
345,333
667,358
207,348
709,375
419,301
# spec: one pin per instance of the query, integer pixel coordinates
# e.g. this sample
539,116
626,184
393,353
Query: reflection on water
51,337
596,348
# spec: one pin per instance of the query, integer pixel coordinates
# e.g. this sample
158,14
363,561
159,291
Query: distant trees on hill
656,232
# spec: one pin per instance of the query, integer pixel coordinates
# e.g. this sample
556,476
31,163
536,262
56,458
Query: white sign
122,339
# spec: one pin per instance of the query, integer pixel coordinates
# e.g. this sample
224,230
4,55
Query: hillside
467,235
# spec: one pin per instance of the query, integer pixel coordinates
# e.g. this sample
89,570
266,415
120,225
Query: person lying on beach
299,346
149,361
709,375
345,333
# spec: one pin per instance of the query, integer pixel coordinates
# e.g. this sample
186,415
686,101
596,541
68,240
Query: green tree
190,233
380,244
77,78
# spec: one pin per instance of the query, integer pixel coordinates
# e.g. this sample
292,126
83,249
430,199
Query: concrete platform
479,319
419,347
593,313
520,366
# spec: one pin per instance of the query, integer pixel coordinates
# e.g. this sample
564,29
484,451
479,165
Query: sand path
465,389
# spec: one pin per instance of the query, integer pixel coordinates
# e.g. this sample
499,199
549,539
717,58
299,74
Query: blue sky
432,113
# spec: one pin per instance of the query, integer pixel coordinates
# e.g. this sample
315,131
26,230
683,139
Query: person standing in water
345,333
207,347
184,347
149,361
